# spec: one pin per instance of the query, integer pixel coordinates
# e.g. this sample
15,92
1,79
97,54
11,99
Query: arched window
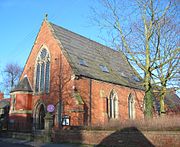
42,72
112,105
131,107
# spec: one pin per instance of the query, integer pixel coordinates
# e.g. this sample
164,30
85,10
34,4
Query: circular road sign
50,108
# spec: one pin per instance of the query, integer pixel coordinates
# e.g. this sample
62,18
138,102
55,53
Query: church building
78,81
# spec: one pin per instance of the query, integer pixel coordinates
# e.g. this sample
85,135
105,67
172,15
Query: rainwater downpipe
90,101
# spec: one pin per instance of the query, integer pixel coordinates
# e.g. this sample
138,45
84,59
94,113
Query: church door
41,117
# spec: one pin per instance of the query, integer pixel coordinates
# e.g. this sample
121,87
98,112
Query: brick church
77,80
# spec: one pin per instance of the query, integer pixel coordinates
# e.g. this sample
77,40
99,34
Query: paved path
11,142
7,144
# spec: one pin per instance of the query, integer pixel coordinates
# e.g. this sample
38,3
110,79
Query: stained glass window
131,106
43,53
112,105
37,78
42,72
47,76
42,78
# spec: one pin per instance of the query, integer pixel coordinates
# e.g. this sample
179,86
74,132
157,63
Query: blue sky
21,20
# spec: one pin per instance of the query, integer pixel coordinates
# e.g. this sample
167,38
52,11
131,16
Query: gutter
110,82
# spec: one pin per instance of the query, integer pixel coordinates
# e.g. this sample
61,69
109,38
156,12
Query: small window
123,74
104,68
135,78
82,62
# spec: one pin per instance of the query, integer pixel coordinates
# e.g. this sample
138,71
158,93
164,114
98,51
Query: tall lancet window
42,72
131,107
112,105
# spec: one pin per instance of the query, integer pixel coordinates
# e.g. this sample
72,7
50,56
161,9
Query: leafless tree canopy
147,31
10,75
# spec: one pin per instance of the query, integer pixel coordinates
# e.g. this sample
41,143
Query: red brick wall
45,37
23,101
120,138
100,91
82,86
60,69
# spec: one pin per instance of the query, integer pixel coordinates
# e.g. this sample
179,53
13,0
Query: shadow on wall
127,137
20,124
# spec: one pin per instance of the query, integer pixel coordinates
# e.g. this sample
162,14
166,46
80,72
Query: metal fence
20,126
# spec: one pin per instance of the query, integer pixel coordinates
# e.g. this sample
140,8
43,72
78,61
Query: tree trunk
148,101
162,96
148,89
148,94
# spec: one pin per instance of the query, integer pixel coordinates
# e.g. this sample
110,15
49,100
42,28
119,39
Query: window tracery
42,72
131,106
112,105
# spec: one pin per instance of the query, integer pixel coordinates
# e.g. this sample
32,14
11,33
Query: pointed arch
131,106
39,114
112,105
42,71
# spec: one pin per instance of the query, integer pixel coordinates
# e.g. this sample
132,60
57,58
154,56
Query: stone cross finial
46,17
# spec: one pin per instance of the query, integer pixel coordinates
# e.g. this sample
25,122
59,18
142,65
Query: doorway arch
38,115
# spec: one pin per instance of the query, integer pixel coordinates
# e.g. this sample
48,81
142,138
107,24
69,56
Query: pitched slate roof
76,47
172,102
23,85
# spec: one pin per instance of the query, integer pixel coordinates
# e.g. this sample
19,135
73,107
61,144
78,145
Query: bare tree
168,51
60,79
139,30
10,74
